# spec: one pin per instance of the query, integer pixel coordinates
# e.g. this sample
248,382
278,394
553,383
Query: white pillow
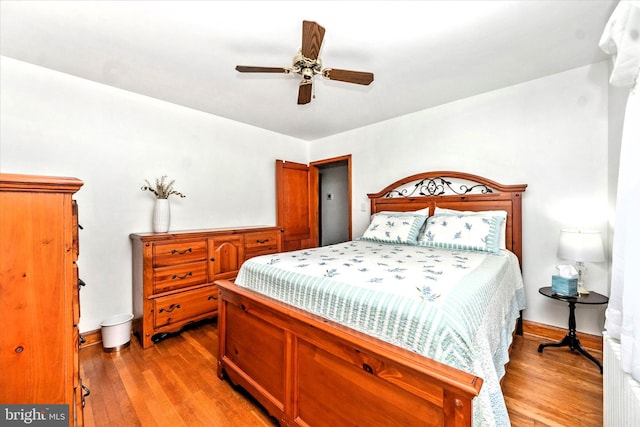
463,232
502,244
394,227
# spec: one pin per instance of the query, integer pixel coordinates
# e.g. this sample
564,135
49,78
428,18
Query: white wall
549,133
56,124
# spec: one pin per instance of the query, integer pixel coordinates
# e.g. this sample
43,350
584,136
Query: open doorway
314,200
334,200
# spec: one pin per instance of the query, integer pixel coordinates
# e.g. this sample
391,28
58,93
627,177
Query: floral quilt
454,306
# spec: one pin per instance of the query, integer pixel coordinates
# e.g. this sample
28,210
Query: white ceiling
423,53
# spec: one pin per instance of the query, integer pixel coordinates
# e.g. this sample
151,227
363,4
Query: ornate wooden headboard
455,190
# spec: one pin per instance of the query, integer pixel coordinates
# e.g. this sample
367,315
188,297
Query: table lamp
581,246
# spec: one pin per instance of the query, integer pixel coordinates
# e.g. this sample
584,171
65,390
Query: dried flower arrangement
162,190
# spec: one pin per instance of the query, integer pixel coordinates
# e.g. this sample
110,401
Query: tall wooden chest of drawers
39,300
173,274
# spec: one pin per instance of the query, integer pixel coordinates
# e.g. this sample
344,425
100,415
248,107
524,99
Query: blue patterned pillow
464,232
501,213
394,228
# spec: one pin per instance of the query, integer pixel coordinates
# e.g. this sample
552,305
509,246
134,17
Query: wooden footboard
309,371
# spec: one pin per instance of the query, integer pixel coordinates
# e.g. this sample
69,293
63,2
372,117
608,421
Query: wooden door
296,205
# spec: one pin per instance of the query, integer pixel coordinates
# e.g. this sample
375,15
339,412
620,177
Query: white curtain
621,39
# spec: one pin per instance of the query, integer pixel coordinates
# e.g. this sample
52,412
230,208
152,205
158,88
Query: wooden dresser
173,274
39,301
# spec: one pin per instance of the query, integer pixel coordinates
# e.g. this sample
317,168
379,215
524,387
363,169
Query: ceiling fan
307,64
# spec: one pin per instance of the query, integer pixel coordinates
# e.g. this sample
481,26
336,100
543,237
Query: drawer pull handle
170,309
175,276
367,368
86,392
210,297
262,241
175,251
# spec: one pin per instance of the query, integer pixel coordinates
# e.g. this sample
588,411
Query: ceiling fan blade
312,35
251,69
304,92
357,77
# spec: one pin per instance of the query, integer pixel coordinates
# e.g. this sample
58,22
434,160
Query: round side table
571,340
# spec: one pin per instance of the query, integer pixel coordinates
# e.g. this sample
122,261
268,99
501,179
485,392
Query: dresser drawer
178,307
179,276
261,243
173,253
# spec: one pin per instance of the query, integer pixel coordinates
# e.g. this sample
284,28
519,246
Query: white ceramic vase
161,216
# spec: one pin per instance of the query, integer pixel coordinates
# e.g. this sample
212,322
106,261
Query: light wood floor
175,384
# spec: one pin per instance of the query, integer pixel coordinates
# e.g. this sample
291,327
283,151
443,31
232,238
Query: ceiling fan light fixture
303,65
307,73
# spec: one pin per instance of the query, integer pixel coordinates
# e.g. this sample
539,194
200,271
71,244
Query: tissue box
564,286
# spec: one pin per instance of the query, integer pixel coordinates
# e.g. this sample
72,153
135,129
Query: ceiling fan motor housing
306,67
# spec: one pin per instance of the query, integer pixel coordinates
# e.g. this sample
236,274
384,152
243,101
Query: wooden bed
306,370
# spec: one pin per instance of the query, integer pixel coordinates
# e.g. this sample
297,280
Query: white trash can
116,332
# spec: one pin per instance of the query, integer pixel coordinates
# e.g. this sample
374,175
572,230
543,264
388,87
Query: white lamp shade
580,245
